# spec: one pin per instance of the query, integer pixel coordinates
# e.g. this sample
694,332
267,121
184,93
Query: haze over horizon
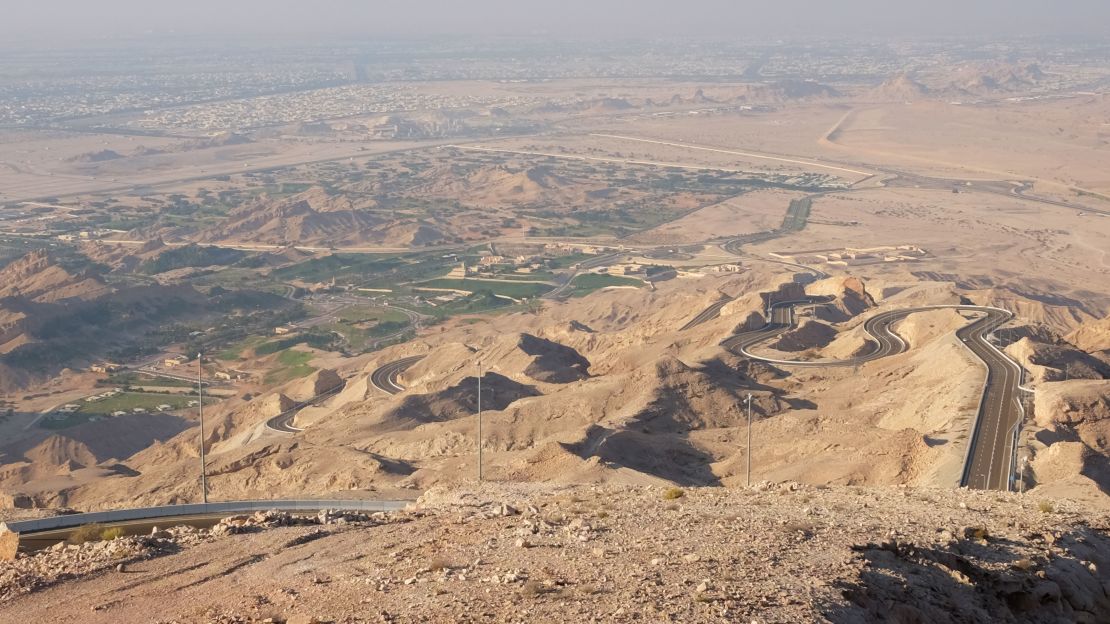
45,22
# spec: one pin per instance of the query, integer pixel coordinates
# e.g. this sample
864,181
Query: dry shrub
113,533
86,533
440,563
532,589
673,493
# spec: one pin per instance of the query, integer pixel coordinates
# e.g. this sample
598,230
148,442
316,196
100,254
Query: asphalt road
990,463
707,314
385,377
283,422
990,455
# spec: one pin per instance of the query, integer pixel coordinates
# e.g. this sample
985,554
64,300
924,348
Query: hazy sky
64,19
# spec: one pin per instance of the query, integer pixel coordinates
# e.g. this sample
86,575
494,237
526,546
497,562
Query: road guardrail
196,509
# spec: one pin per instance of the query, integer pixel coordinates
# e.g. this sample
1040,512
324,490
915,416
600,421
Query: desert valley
661,272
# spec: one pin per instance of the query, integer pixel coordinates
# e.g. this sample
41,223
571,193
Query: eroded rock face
15,500
811,335
553,362
325,381
460,400
276,404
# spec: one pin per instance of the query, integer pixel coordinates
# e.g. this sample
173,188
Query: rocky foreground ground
772,553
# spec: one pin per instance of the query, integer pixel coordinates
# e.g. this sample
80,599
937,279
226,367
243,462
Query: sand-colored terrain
508,552
606,388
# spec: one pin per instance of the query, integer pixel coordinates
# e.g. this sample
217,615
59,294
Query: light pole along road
989,459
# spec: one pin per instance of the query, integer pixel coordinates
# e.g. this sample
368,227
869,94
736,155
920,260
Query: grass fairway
235,352
505,289
293,365
366,314
123,402
589,282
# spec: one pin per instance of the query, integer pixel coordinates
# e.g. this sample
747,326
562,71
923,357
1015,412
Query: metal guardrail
195,509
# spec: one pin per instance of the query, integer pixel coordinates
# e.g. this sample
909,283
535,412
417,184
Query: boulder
9,544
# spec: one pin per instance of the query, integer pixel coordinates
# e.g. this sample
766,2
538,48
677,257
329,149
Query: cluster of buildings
852,256
41,99
305,106
96,398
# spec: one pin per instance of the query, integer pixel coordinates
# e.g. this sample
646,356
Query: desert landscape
881,275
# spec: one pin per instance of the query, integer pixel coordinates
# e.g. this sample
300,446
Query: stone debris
771,553
30,572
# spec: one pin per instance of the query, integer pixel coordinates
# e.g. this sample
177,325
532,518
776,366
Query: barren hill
39,278
307,218
899,88
1092,337
502,185
316,217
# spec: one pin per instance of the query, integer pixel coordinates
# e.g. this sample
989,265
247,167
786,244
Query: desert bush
673,493
113,533
532,588
85,533
440,563
1046,507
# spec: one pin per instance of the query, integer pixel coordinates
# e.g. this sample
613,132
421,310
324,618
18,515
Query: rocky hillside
513,553
602,389
38,277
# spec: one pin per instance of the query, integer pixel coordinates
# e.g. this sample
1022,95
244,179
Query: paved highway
283,422
385,377
707,314
990,453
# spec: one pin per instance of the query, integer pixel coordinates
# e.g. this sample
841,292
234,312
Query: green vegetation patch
481,301
191,256
565,262
293,365
589,282
235,352
123,402
338,265
505,289
376,314
313,338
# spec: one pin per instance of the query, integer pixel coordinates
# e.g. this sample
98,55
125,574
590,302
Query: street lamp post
749,480
200,411
479,420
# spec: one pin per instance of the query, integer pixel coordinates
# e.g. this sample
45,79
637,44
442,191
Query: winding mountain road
385,378
989,463
283,422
